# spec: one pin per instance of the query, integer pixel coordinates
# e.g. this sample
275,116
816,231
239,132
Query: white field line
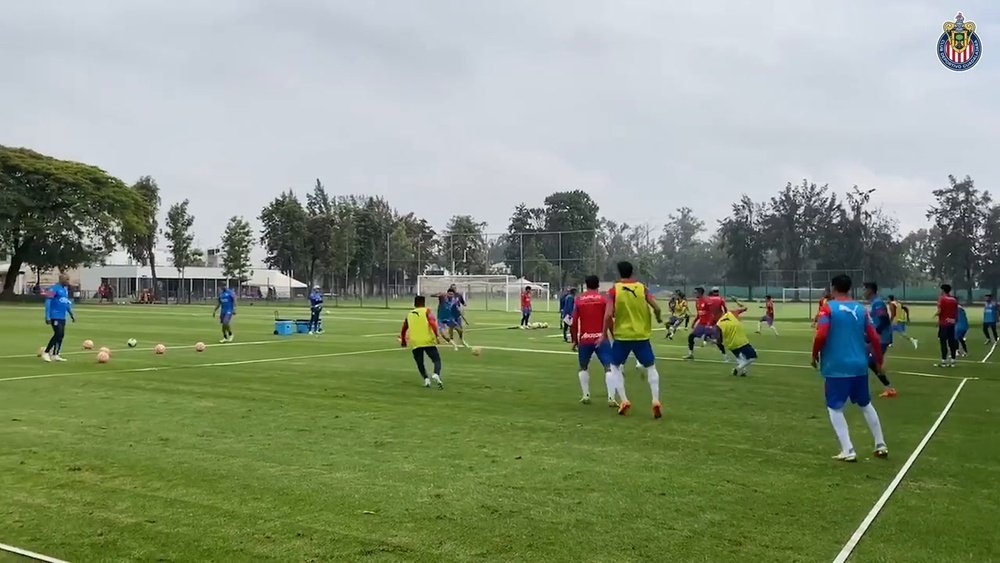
195,366
670,359
127,349
852,543
990,353
29,554
444,329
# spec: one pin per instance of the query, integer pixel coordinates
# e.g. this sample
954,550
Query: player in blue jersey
840,350
315,310
444,310
961,329
566,305
58,306
878,311
226,308
456,318
991,312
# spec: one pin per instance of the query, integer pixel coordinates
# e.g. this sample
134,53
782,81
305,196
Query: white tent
284,286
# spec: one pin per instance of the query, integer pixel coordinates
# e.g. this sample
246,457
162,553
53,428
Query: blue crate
284,328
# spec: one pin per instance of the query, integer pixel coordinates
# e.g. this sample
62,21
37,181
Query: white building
127,281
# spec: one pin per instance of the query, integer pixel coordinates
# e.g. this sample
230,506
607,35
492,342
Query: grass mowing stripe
29,554
852,543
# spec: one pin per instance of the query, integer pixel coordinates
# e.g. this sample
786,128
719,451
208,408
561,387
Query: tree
572,218
237,240
197,258
180,239
463,245
960,215
680,247
741,237
284,233
320,225
989,273
519,241
917,252
141,243
796,224
57,214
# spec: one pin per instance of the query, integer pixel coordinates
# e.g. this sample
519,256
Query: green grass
328,449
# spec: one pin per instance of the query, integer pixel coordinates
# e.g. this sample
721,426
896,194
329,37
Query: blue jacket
57,303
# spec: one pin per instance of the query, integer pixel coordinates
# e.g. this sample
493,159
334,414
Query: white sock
620,382
653,377
609,382
839,422
585,382
758,326
871,417
775,329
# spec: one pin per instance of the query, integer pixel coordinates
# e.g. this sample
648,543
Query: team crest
959,47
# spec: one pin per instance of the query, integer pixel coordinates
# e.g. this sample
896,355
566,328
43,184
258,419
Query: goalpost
486,292
801,294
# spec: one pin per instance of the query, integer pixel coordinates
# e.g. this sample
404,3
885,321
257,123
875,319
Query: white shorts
568,319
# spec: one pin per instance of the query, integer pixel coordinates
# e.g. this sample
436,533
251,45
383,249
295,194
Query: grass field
328,449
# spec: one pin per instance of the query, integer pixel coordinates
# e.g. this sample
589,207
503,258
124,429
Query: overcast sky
470,107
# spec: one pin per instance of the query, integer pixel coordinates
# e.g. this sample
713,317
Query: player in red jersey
768,315
819,308
710,309
947,315
525,306
587,328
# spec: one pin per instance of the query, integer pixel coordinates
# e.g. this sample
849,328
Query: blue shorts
960,334
225,318
899,327
586,351
746,351
767,319
642,349
841,389
704,330
526,311
674,320
452,323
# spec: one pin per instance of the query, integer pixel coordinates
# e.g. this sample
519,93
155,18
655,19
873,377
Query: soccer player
734,338
880,319
840,350
566,306
456,319
822,301
315,310
680,313
587,332
420,333
991,312
768,315
58,306
629,322
900,315
705,322
227,304
525,306
947,316
961,329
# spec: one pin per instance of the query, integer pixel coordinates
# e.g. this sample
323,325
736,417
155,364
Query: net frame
485,292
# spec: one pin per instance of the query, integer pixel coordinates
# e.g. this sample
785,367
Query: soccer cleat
427,383
46,357
58,358
849,457
311,333
585,400
657,409
888,393
881,452
914,342
688,356
223,341
612,403
231,338
624,407
735,372
437,379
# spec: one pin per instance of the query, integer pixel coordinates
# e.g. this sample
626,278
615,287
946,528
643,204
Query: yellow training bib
733,335
633,320
419,333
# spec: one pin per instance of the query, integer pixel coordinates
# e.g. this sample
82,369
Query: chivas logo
959,47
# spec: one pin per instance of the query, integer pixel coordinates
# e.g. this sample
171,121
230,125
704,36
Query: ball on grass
476,350
88,344
160,349
199,347
103,357
40,352
132,343
106,350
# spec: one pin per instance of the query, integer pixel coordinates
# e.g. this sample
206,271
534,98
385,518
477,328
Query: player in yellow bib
734,338
678,313
629,320
420,333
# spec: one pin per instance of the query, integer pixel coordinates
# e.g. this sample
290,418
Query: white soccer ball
132,342
545,325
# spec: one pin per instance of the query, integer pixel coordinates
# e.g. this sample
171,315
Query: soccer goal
801,294
490,293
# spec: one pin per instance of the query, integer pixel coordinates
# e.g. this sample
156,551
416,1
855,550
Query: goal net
802,294
489,293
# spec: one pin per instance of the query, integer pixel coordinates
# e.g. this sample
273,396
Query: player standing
315,310
525,306
227,303
840,350
879,314
734,338
961,329
566,307
58,306
822,301
587,333
768,315
420,333
947,315
991,312
900,315
629,322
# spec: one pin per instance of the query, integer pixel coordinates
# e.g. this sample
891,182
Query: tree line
57,214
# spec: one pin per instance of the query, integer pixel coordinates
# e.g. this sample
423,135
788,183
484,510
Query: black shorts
946,333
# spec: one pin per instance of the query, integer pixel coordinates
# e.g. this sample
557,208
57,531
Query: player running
444,310
420,333
840,350
705,322
456,319
991,312
679,312
587,333
315,310
629,322
768,316
961,329
227,303
566,307
947,316
525,307
878,312
900,315
734,338
58,306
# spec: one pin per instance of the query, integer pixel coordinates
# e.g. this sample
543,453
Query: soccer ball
103,357
476,350
160,349
545,325
40,352
132,342
88,344
199,347
106,350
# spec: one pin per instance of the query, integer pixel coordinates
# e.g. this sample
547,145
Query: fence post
388,257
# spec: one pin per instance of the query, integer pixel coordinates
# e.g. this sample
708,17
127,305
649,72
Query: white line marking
990,353
194,366
668,359
467,330
127,349
29,554
852,543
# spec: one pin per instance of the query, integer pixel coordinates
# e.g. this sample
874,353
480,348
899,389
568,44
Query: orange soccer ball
103,357
199,347
106,350
160,349
88,344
